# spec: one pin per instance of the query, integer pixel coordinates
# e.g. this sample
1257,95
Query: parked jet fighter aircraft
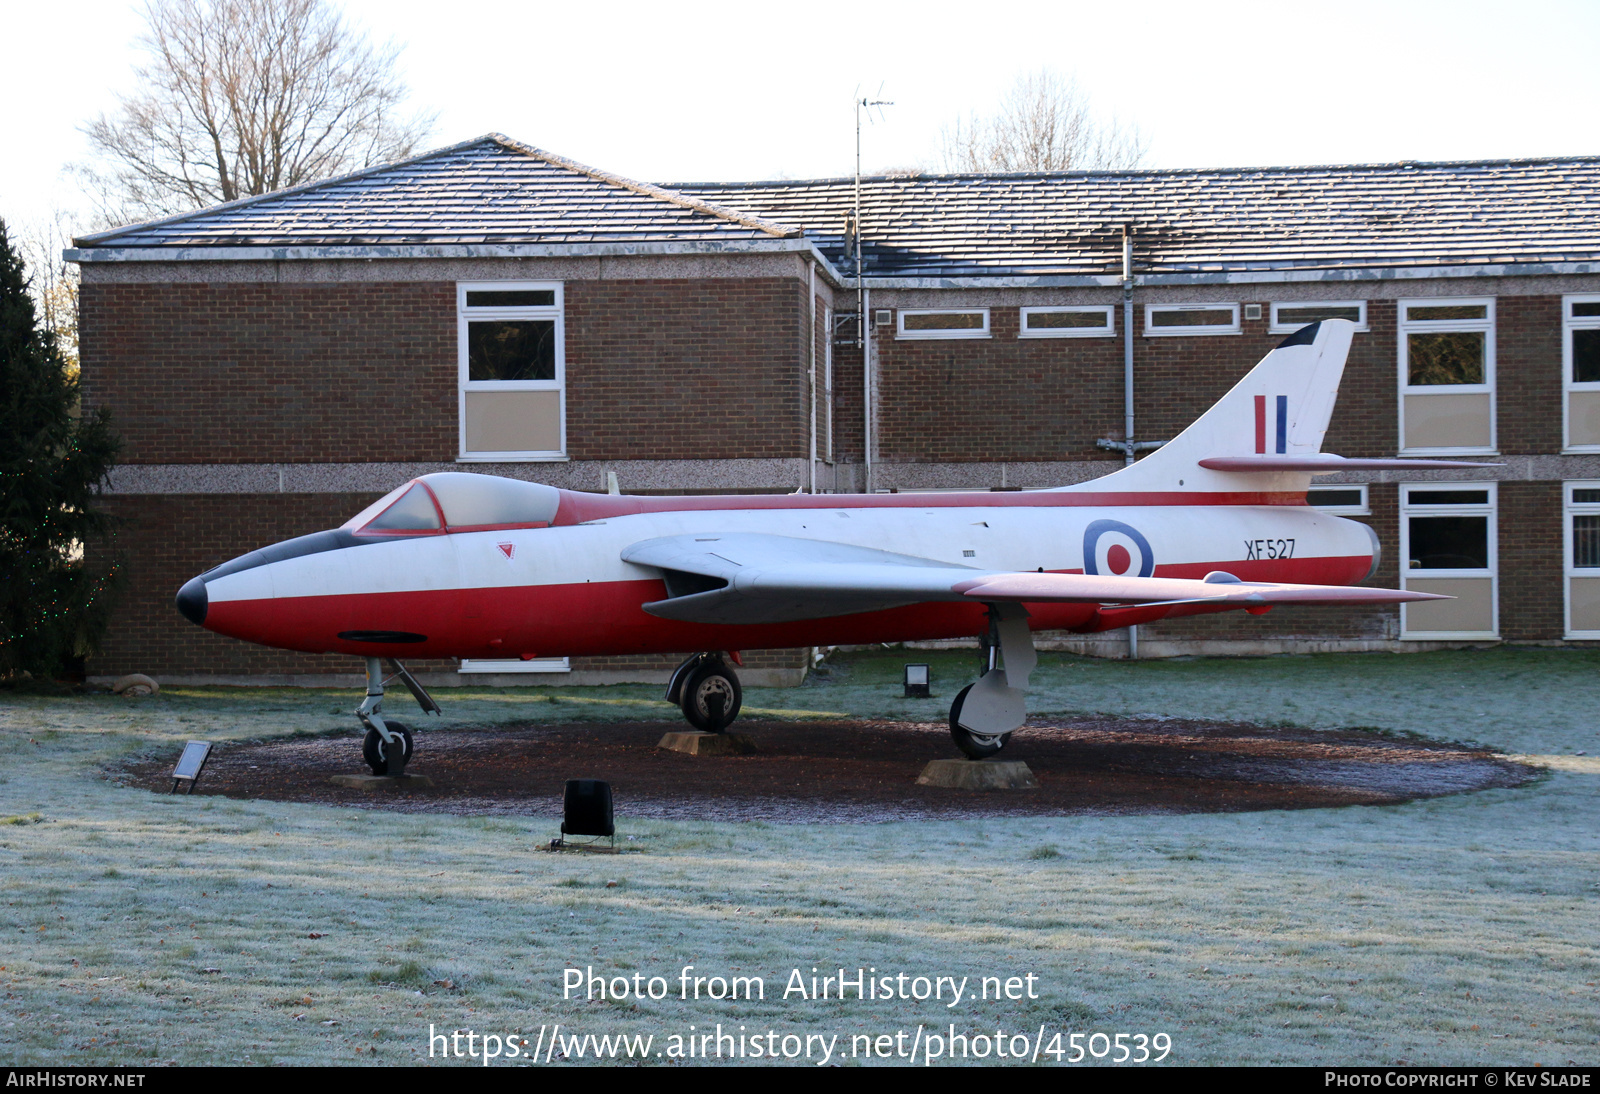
477,566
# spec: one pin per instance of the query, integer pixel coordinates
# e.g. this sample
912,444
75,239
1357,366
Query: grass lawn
138,928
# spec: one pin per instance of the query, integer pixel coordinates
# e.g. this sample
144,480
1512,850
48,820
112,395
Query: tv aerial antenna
862,103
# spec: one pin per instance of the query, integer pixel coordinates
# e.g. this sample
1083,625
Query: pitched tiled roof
490,190
1199,221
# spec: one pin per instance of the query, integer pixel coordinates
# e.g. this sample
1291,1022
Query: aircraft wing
755,578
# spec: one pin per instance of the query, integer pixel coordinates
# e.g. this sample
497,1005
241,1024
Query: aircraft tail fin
1277,414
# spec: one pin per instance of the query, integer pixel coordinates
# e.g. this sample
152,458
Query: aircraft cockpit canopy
456,501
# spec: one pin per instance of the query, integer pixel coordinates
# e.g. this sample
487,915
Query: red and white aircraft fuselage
566,589
476,566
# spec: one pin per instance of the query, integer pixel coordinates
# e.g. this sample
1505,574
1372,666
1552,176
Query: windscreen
414,512
361,518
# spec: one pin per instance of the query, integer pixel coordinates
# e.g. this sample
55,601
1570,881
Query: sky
721,91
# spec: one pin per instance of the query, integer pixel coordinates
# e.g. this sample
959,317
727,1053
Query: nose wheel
378,753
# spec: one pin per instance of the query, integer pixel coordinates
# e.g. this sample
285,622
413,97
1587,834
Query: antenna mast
868,409
868,104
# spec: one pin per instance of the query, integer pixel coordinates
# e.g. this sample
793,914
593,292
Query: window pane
1454,358
1326,498
1586,540
1581,496
1449,543
1051,320
957,320
1192,317
1586,356
512,298
414,512
1447,311
1585,307
1309,313
523,349
1448,497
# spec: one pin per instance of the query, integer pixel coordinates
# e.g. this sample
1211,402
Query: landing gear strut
707,690
387,745
984,714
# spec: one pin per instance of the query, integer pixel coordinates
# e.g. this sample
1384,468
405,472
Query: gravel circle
865,771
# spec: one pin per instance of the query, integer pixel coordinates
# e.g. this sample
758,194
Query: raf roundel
1117,549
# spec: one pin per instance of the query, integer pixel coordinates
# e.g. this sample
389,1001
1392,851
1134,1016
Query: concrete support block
709,744
978,775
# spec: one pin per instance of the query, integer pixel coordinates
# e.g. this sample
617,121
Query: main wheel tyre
975,746
712,697
375,751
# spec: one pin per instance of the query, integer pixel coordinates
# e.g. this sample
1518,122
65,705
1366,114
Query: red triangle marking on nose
507,549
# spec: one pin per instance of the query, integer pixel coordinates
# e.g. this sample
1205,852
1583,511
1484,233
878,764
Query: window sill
1450,636
1449,452
511,457
964,336
1190,332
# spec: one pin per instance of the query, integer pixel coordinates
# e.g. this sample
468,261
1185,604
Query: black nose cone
192,601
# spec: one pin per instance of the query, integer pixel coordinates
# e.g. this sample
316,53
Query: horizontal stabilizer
1325,464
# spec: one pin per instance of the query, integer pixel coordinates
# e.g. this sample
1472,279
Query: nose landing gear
707,690
387,746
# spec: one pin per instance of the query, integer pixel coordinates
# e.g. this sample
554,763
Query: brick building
276,363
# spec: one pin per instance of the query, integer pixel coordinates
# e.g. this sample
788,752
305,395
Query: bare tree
53,281
1044,123
243,97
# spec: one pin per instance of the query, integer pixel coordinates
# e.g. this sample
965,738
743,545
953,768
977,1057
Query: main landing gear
984,714
387,745
707,690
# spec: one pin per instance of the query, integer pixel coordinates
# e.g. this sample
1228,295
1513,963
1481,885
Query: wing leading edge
752,578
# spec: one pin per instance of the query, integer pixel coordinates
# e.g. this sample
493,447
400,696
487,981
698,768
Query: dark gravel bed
864,771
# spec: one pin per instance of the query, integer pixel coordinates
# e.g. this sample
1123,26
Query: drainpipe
811,293
1127,342
1127,380
869,405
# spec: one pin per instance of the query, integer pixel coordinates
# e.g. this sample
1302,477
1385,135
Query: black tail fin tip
1302,337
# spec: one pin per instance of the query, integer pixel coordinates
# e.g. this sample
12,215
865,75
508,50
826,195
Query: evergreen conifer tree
53,603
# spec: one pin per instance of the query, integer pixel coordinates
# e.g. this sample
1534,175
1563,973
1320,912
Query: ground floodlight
586,810
190,764
917,683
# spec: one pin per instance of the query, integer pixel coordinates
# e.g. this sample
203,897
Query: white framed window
1580,369
1581,544
511,345
942,323
1188,319
1344,499
1448,545
1289,316
1447,375
1076,322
